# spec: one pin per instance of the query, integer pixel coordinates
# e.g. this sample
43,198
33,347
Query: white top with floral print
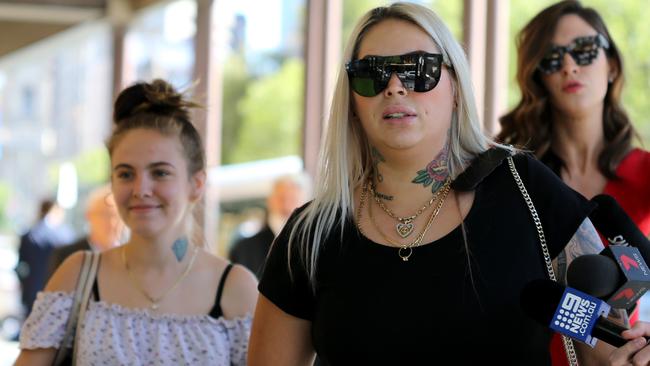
115,335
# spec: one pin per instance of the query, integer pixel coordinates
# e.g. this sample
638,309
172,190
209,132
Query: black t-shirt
371,308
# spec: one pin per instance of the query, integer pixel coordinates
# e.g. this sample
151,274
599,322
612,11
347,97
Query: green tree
271,112
5,194
451,11
236,79
93,167
352,11
452,14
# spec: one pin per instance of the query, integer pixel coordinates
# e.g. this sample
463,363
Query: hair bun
158,97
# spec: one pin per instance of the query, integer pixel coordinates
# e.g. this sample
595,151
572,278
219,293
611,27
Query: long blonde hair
345,158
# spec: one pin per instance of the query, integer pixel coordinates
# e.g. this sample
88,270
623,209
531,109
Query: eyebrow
574,40
401,54
153,165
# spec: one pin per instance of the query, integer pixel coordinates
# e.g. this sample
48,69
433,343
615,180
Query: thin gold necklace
404,250
406,225
155,301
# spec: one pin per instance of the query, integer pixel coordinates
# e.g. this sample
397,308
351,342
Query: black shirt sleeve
288,288
560,208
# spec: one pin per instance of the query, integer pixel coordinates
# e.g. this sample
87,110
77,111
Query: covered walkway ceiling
23,22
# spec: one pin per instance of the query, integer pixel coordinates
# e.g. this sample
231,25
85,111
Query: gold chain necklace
155,301
405,250
406,225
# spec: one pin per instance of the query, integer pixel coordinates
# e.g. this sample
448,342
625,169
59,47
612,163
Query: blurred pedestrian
288,193
105,228
36,246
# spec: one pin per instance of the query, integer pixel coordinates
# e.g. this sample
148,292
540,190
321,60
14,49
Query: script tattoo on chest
376,159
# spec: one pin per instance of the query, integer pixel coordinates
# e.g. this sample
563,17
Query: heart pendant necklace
404,227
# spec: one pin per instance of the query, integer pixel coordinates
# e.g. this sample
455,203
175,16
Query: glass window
160,44
54,110
451,11
261,53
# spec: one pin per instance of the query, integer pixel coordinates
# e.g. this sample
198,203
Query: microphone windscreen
540,298
612,221
596,275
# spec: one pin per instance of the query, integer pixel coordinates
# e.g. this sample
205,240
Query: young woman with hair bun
161,298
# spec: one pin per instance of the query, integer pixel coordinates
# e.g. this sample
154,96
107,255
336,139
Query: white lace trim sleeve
45,326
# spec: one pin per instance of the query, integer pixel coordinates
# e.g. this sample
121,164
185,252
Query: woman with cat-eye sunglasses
570,73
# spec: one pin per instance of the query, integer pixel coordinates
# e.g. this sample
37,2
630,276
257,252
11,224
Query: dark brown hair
158,106
530,123
45,207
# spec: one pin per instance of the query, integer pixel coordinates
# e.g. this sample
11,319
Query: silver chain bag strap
568,342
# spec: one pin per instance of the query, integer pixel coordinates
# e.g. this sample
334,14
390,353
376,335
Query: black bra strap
216,311
95,288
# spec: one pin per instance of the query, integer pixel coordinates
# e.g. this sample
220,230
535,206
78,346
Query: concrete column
119,13
474,25
496,64
207,91
322,56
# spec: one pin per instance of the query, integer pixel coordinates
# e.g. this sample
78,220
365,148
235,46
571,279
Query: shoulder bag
78,309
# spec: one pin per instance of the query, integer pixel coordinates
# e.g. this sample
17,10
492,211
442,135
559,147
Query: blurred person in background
288,193
36,247
104,228
570,74
160,298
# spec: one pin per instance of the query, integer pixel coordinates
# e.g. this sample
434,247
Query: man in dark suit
287,194
104,227
36,248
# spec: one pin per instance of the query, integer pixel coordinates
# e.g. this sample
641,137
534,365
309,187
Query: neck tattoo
435,173
376,159
384,197
180,248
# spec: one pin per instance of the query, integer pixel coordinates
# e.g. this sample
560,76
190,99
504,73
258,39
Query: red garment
632,191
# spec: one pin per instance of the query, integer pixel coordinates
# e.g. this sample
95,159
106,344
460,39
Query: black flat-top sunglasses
583,50
418,71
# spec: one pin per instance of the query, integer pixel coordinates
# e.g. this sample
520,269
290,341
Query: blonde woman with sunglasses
418,242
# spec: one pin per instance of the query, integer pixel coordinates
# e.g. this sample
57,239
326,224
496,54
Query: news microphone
594,274
628,248
616,226
618,275
571,312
